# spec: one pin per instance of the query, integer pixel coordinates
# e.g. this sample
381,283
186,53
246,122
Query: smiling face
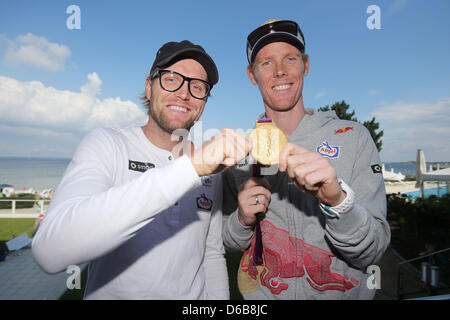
278,70
178,109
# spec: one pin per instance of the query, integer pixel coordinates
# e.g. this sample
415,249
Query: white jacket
148,225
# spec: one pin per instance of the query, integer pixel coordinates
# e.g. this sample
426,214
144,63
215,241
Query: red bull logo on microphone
289,257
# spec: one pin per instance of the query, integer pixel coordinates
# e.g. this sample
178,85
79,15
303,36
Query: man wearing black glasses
322,215
144,211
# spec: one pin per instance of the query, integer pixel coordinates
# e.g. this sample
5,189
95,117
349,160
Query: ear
148,88
251,74
306,65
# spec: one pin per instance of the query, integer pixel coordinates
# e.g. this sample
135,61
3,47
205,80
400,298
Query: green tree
341,109
373,126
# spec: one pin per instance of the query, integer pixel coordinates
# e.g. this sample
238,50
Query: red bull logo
289,257
343,130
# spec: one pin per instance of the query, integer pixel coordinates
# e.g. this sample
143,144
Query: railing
14,213
427,281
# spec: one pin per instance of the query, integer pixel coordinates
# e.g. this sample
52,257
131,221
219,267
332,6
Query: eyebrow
272,56
182,74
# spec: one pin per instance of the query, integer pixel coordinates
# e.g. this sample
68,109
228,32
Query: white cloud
36,51
33,105
396,6
92,87
320,94
411,126
373,92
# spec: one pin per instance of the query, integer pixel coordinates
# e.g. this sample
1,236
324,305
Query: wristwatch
344,206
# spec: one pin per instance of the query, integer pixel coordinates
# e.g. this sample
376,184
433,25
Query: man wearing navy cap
323,214
139,205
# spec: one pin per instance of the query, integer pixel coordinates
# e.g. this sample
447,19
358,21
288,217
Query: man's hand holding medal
310,172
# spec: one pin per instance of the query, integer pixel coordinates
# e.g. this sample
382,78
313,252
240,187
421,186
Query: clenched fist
311,173
225,149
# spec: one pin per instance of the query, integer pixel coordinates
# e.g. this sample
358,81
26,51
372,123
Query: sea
409,168
32,173
40,174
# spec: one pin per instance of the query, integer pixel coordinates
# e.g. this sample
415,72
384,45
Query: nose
183,92
280,70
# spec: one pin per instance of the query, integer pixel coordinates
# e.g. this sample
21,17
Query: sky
63,75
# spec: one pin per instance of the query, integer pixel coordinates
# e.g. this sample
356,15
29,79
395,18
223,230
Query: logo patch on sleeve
204,203
343,130
376,168
139,166
328,151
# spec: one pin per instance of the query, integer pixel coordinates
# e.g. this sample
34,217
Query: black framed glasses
288,27
172,81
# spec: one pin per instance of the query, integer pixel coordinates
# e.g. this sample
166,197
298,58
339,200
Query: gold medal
267,142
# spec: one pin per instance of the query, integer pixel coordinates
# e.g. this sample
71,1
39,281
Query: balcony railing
14,212
432,279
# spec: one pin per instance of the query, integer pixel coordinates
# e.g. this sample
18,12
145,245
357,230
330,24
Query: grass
11,226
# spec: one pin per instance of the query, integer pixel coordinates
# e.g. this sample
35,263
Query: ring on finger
256,200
